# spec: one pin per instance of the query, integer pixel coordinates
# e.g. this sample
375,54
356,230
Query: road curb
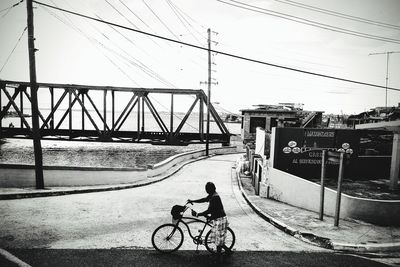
318,241
11,258
313,239
383,247
9,196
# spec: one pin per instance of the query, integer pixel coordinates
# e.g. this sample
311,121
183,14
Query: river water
95,154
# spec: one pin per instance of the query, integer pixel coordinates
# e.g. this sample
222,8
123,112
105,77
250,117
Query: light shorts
218,230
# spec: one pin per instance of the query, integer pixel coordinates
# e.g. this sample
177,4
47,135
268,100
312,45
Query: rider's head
210,188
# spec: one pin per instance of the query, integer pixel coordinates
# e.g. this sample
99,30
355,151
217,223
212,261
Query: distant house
375,115
282,115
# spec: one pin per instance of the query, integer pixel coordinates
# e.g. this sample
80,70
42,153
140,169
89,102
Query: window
256,122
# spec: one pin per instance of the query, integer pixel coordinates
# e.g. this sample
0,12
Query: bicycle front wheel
229,240
167,238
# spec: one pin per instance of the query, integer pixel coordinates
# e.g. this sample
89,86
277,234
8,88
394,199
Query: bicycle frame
192,220
196,239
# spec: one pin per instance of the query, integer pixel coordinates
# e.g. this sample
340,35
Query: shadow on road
141,257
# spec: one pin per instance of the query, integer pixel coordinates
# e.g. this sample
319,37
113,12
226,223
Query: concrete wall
167,164
16,175
24,176
299,192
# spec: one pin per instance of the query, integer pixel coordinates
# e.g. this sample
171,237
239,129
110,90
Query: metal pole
143,114
322,193
209,93
387,71
52,107
113,108
138,118
83,112
105,111
21,103
37,147
171,119
387,78
201,119
395,162
339,189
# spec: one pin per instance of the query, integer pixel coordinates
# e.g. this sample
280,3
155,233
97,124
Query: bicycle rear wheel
229,240
167,238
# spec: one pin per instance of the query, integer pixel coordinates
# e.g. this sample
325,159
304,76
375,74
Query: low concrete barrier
54,176
19,176
169,163
301,193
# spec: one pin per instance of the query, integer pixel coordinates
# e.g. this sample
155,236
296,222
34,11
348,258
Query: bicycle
169,237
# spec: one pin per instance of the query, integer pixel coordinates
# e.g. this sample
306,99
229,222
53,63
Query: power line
9,56
182,21
183,15
8,8
338,14
162,22
308,22
119,12
134,13
220,52
93,42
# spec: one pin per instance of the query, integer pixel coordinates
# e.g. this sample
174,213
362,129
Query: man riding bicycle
217,217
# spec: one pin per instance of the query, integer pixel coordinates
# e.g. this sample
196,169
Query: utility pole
208,93
37,147
387,71
208,82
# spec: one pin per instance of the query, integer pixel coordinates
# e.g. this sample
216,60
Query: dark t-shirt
215,207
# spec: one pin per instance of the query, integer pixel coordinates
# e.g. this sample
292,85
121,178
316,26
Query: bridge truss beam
57,123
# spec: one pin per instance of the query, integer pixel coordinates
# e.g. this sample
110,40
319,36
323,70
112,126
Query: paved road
128,257
114,228
127,218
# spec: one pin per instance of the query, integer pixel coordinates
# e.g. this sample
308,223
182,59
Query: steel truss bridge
99,121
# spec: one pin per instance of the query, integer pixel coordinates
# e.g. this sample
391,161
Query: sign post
338,157
322,193
339,189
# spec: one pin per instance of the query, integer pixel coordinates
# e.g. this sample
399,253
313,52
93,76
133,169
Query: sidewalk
350,235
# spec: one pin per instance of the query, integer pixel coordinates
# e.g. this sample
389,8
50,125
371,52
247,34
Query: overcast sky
80,51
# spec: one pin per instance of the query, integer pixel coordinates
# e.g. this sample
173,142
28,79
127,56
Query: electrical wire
307,22
182,22
132,61
159,19
12,51
119,12
338,14
145,69
93,42
8,8
183,15
134,13
189,17
221,52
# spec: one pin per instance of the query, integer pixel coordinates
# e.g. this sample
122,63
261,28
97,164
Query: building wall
301,193
291,189
247,136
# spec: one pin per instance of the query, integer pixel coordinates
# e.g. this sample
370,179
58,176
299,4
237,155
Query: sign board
299,151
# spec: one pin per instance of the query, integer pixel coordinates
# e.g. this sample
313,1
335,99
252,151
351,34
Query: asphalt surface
127,218
114,228
124,257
